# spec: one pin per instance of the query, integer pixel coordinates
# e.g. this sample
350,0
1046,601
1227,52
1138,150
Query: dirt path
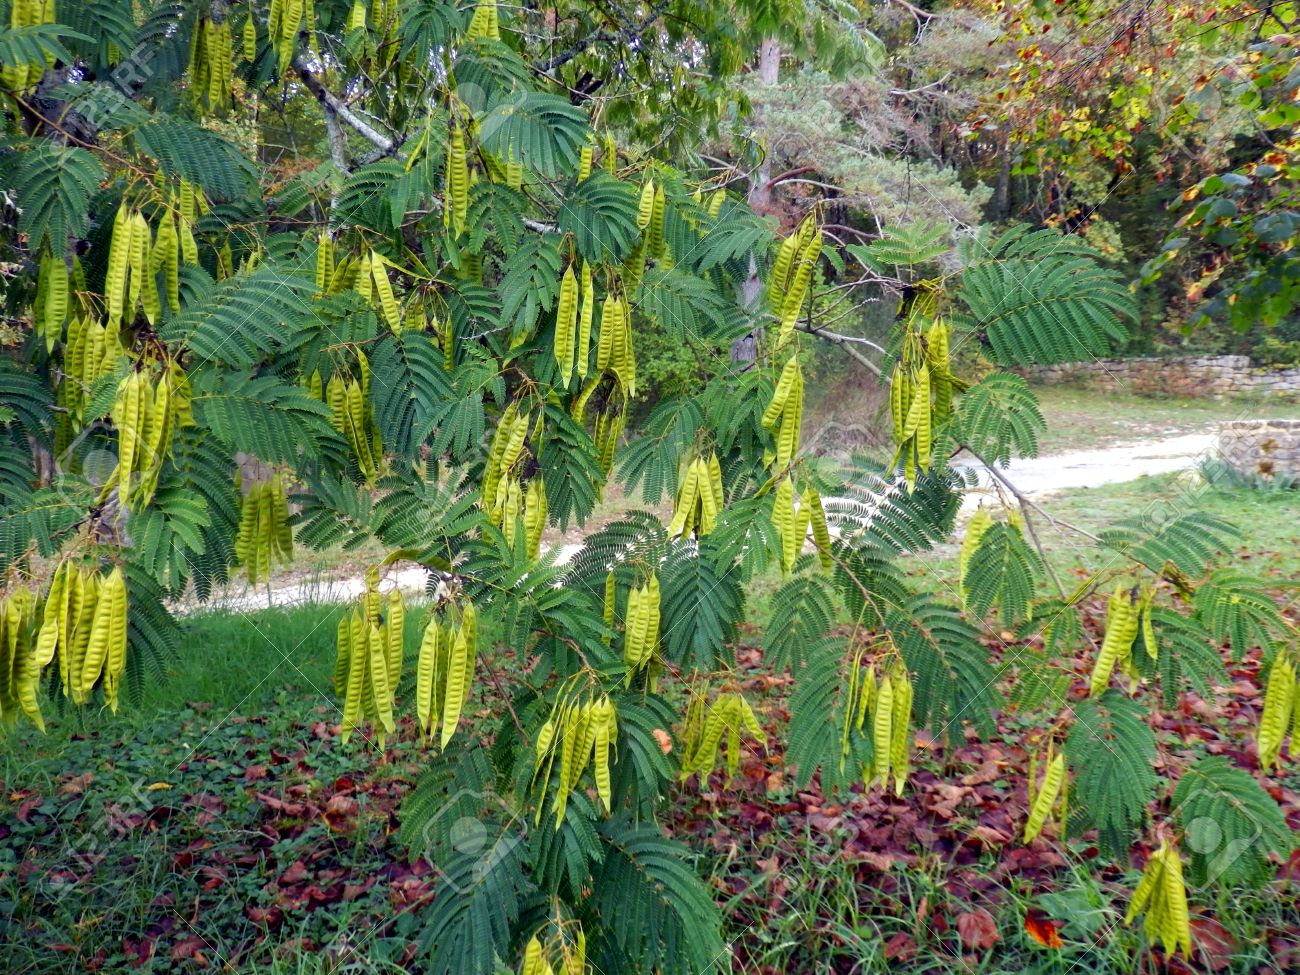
1093,468
1034,476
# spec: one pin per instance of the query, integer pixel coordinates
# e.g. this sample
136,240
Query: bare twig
1026,505
629,32
496,682
789,174
846,343
917,91
915,11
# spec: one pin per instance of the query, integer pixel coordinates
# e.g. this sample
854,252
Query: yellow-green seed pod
1046,797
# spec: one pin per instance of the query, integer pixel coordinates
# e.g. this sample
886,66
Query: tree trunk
769,72
1001,191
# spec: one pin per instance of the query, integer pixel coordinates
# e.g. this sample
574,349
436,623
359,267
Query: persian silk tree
427,338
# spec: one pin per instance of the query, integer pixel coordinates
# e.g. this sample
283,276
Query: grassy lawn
215,825
1080,419
1268,523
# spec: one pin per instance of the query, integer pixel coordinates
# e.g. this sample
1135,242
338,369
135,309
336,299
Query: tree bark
769,73
760,195
332,104
1002,191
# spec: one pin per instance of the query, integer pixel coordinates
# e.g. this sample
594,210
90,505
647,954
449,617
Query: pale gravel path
1037,476
1034,476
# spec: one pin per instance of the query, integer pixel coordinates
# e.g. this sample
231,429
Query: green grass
1268,522
167,839
290,648
1081,419
230,666
824,913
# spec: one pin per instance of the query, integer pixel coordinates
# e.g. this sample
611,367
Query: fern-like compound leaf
1040,297
1001,573
1230,824
53,185
1110,750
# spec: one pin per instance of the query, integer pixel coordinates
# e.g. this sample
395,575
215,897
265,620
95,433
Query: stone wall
1212,376
1262,448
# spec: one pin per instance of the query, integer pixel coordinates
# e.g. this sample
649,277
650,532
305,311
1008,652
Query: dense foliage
1108,100
1163,133
430,341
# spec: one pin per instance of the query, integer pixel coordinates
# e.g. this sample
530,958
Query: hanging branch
846,342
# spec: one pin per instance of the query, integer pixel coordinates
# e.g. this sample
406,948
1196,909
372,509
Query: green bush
1273,351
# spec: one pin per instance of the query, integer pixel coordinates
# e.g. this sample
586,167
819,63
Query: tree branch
436,205
846,343
915,11
333,106
1025,506
917,91
601,37
789,174
810,182
336,111
338,144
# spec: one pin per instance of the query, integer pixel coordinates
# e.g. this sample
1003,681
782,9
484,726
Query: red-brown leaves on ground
1215,944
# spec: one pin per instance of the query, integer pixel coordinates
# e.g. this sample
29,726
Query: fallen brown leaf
1217,946
978,929
664,739
77,784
